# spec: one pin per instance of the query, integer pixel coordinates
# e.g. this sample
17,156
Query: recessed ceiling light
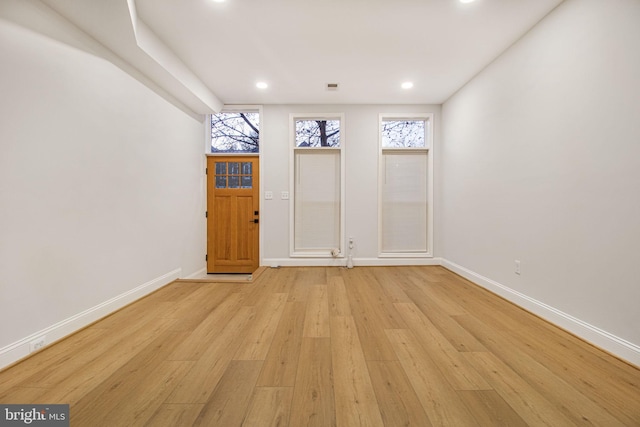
407,85
218,1
262,85
461,1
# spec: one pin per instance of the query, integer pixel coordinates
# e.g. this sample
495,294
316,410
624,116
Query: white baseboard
304,262
20,349
342,262
197,274
603,339
381,262
592,334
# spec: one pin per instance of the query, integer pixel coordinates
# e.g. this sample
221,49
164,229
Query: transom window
317,133
408,133
235,132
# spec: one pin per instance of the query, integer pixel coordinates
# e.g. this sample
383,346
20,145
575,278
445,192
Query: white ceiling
369,47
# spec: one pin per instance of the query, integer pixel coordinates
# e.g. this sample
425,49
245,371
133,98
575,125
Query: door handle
255,221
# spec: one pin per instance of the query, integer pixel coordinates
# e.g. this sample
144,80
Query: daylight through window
403,133
235,132
317,133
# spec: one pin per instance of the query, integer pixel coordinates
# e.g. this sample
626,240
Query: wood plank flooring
379,346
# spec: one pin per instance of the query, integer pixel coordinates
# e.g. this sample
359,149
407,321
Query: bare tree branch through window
403,134
317,133
235,132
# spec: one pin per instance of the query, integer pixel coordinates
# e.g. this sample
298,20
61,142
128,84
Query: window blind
404,202
317,201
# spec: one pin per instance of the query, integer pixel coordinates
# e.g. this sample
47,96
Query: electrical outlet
37,344
517,267
284,195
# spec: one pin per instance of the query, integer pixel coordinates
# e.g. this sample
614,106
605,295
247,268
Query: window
235,132
317,182
405,185
317,133
234,175
403,133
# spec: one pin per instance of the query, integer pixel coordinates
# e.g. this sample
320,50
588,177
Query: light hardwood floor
384,346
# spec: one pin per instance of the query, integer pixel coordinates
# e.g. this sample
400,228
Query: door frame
209,203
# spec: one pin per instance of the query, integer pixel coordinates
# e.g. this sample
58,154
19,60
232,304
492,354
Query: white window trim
231,109
292,152
428,148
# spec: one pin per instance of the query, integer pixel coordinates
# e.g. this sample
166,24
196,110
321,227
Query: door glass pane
221,182
234,182
234,168
221,168
246,168
247,182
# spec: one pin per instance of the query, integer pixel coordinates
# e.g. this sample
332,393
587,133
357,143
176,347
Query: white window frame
428,150
233,109
292,176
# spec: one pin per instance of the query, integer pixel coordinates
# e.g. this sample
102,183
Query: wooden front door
233,214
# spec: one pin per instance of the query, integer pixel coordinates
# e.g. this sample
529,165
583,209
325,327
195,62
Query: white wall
101,189
540,162
102,193
361,178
